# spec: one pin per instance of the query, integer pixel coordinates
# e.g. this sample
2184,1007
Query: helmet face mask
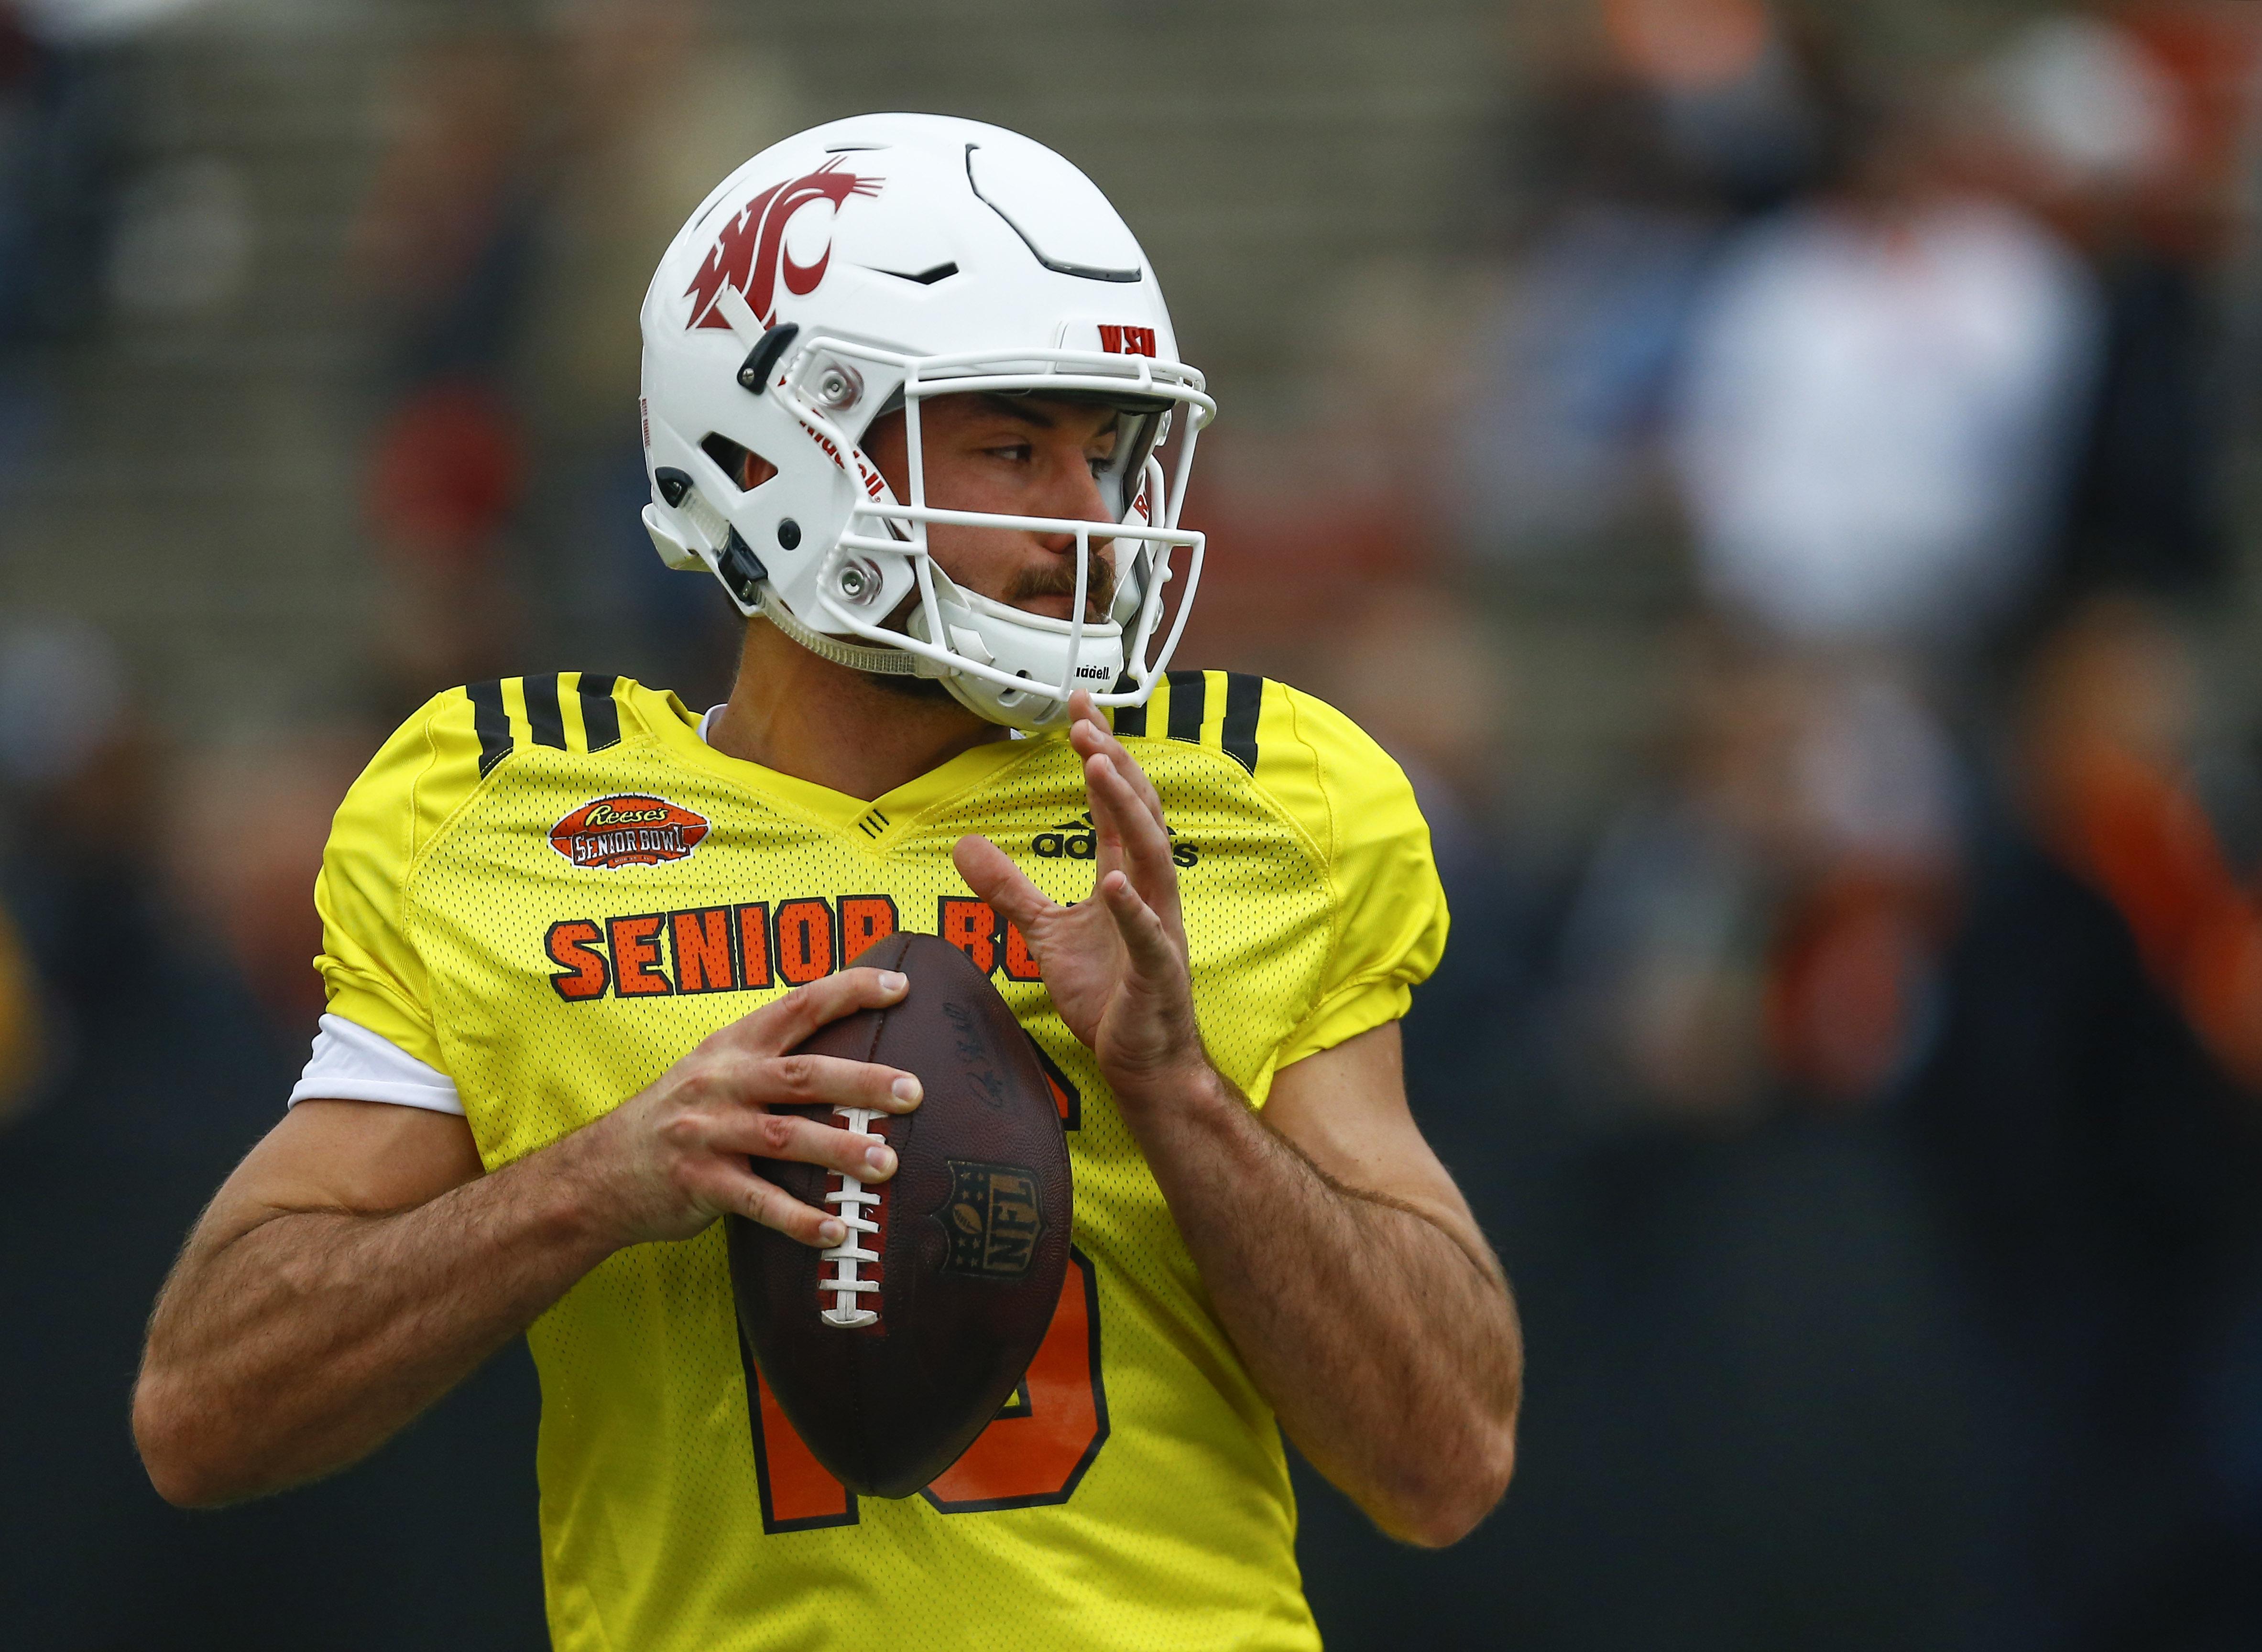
897,275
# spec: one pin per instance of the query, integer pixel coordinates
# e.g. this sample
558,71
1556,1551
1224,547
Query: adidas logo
1078,839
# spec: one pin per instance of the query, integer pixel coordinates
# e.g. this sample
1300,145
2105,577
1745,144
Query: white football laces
849,1203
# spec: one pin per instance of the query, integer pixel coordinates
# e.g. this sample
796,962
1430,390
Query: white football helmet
868,265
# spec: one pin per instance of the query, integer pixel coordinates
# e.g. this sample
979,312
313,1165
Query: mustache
1058,579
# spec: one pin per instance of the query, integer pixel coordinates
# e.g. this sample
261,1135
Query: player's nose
1073,494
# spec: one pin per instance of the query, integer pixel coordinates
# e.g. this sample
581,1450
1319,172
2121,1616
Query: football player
909,394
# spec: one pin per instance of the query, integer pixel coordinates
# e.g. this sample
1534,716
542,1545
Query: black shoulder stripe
492,723
544,718
1129,720
601,718
1188,690
1244,698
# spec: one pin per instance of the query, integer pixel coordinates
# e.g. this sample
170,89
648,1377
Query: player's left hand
1115,963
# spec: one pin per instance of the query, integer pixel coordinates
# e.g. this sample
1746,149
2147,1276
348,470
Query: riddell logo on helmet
1127,341
630,830
750,253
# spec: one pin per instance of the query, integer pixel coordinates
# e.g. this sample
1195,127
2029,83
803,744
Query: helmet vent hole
747,469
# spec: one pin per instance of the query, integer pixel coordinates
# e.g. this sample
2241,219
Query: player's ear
884,444
742,466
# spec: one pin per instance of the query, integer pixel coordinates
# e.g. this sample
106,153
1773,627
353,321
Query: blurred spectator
65,132
245,830
23,1043
1749,1428
1874,426
75,794
1767,926
61,141
2107,753
2126,130
1302,525
1416,671
1666,124
160,1070
445,247
504,246
44,726
106,841
1576,363
2095,1159
2096,115
182,243
1741,92
80,228
655,100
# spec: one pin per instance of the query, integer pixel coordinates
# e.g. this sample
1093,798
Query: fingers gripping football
779,1026
675,1156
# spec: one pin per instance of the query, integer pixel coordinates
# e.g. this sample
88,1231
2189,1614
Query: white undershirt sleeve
352,1063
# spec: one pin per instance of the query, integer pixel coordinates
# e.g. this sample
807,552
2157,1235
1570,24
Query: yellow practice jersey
551,888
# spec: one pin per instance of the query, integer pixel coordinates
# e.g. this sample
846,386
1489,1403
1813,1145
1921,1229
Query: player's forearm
1391,1353
298,1346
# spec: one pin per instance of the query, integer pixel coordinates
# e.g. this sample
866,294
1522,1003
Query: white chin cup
1022,644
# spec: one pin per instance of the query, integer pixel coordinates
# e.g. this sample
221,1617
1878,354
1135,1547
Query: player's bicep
1345,1109
341,1155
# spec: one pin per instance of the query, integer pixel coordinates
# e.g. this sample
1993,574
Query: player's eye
1014,453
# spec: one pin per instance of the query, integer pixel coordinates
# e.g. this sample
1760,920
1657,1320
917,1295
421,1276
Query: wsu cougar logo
750,253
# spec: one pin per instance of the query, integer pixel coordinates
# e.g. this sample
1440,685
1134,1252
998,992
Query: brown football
888,1362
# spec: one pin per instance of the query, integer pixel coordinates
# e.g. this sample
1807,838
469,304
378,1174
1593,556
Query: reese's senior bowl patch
630,830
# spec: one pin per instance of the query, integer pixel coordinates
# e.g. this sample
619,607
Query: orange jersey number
1034,1453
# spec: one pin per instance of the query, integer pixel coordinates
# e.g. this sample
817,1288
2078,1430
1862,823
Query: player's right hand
670,1159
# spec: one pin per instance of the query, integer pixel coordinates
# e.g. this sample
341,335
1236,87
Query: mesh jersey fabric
351,1063
550,888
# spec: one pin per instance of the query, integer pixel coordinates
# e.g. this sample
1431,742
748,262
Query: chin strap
889,662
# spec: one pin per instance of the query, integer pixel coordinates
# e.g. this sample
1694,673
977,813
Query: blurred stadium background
1785,478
